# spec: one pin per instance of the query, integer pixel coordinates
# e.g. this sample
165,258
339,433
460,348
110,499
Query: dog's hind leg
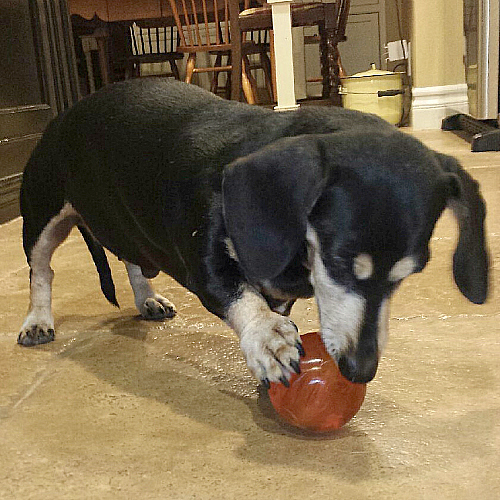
38,327
150,304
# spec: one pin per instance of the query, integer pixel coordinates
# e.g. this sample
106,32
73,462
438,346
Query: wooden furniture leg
190,65
248,83
273,63
87,52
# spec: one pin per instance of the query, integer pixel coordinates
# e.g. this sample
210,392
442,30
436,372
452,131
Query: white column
282,26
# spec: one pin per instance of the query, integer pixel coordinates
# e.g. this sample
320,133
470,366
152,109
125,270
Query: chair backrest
152,39
204,24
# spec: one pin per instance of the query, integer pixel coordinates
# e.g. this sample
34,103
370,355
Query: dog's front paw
37,329
272,349
157,308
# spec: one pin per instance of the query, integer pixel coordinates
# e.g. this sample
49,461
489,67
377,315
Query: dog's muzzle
358,369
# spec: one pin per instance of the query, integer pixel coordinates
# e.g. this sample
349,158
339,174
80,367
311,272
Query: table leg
87,48
102,44
282,27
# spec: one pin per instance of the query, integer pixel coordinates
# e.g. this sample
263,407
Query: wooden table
121,10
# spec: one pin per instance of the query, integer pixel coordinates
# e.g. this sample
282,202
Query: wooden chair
331,20
212,27
152,41
91,37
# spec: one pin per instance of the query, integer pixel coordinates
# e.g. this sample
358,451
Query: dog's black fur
231,199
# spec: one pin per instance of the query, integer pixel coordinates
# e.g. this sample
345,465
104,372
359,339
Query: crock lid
374,71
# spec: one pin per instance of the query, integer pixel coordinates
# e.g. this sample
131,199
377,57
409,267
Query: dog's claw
157,308
269,349
300,348
295,365
35,335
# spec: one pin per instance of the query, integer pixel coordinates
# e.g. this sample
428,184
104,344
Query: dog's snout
357,370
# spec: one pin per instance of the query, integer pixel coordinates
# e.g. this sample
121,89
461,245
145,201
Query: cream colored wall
438,43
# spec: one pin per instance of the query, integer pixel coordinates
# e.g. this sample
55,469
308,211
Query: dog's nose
357,370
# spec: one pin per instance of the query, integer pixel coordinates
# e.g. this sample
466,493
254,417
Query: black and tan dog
250,210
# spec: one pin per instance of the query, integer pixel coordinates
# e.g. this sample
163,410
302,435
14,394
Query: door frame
23,125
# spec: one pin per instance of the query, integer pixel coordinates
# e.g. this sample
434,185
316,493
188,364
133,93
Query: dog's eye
339,270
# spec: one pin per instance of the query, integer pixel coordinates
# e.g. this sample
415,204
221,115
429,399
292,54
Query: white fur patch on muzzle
341,312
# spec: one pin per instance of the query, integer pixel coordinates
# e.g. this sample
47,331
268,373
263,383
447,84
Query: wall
436,31
439,87
438,42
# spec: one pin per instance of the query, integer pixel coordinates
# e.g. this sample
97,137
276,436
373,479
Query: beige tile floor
120,408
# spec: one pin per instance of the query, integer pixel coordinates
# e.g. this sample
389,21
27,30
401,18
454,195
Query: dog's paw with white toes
272,349
36,330
157,308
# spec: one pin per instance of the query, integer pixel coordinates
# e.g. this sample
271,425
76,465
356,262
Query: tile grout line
45,374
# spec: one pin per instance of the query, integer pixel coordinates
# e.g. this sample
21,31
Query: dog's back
151,149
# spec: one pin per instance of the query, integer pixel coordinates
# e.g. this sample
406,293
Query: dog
250,210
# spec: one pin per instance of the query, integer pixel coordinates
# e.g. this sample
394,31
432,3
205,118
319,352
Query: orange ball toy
319,399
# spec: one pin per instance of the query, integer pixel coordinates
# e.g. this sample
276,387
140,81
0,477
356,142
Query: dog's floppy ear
470,261
267,197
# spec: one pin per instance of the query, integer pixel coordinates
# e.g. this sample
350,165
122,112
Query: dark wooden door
37,81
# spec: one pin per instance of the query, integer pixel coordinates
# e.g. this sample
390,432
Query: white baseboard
431,104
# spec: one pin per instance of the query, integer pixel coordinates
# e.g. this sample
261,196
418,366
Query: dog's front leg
270,342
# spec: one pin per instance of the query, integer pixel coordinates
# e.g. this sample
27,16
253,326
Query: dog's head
366,204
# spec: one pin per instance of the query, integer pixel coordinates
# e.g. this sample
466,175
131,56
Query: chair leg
337,73
129,70
342,73
326,60
190,65
227,88
248,82
273,64
175,69
214,86
265,62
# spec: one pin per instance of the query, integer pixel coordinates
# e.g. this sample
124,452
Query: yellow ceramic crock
374,91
